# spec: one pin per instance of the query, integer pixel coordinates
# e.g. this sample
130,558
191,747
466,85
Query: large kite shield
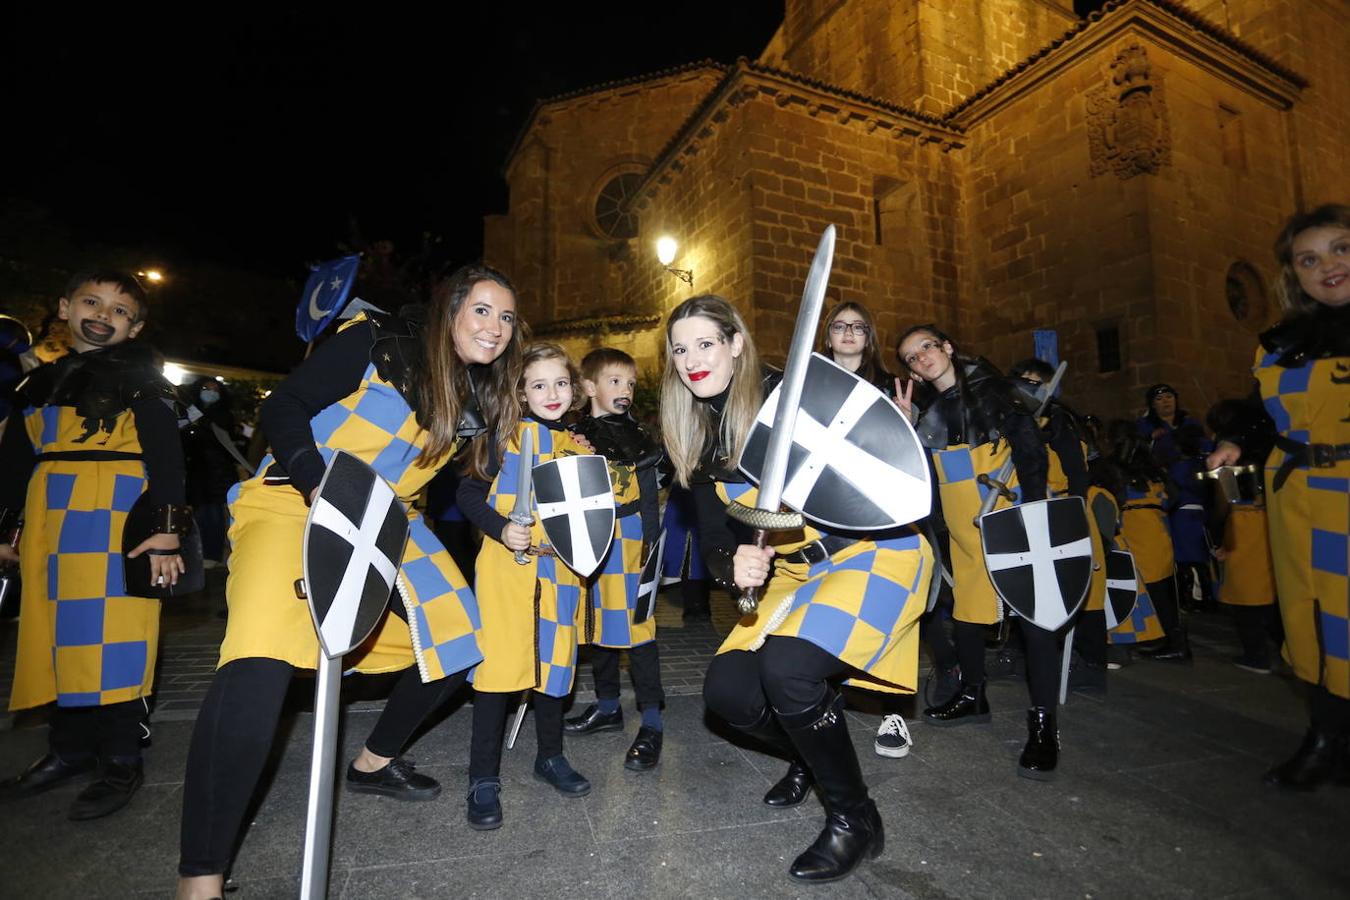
353,544
1039,557
575,499
855,463
1122,587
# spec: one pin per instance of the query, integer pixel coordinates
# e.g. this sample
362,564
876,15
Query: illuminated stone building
995,166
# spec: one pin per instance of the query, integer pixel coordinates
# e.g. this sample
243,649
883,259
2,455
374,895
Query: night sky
255,138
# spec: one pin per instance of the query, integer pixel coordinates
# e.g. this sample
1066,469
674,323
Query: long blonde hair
445,384
686,424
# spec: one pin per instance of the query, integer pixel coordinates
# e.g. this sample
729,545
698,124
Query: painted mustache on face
622,403
95,332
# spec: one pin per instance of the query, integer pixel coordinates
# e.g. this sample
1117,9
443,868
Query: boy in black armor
94,430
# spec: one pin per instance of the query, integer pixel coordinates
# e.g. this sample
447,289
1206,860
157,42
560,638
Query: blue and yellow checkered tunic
1310,517
82,642
530,613
1143,624
1143,521
861,605
958,467
267,525
612,593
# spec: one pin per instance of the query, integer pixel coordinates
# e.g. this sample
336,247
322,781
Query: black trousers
1257,628
112,732
1089,637
490,711
233,737
1163,593
787,674
644,664
1042,655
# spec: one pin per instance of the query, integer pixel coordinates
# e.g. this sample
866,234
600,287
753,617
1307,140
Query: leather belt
821,550
627,509
86,455
1129,506
1299,455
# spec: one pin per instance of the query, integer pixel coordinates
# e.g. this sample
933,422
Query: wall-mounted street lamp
666,248
154,276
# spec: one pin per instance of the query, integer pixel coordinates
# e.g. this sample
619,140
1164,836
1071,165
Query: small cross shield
1122,587
353,545
1039,557
575,499
855,463
649,583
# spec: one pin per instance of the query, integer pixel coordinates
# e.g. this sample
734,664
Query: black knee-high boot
796,783
853,828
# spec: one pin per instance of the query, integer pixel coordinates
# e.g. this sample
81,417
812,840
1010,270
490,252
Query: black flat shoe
558,772
645,752
113,790
969,705
792,789
48,772
485,805
593,720
397,780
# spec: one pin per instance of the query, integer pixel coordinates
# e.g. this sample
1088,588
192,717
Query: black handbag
140,524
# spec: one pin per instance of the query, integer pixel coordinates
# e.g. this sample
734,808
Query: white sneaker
893,738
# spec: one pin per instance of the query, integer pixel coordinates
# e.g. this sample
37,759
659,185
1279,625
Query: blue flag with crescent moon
326,292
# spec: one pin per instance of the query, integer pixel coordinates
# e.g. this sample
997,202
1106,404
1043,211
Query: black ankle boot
792,788
1041,754
1176,647
853,829
1320,758
969,705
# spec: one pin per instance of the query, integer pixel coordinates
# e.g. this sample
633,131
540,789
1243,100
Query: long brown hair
870,367
1291,294
686,424
445,384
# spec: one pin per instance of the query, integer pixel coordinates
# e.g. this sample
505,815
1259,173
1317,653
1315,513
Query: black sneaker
396,780
557,771
485,805
116,785
893,737
1247,664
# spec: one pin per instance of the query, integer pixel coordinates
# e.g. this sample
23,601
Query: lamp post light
154,276
666,248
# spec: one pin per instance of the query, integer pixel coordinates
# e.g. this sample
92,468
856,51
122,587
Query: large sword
767,514
521,513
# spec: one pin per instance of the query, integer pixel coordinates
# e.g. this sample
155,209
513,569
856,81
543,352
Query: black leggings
1042,655
788,674
1163,593
490,710
234,735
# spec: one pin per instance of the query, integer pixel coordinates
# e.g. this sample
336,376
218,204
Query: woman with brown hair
850,339
403,393
839,606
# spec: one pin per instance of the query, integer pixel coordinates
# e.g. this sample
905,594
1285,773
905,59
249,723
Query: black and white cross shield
649,583
575,500
855,463
1039,556
353,544
1122,587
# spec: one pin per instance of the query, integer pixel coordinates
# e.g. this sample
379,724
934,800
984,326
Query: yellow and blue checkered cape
957,468
375,424
1148,531
613,590
1247,573
862,604
1096,598
531,612
1143,624
1310,518
81,641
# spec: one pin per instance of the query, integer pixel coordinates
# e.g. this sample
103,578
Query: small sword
521,513
999,482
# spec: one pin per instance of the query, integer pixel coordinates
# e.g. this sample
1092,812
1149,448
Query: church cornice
1182,31
748,80
597,325
559,101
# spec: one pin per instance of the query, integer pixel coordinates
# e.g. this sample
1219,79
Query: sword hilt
522,556
765,519
748,601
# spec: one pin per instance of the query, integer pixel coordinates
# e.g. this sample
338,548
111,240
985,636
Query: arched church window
611,217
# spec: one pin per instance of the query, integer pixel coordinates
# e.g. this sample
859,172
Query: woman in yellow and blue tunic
1145,527
979,421
401,393
94,429
530,611
609,377
1302,371
839,606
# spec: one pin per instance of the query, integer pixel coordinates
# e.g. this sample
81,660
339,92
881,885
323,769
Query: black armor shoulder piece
100,384
619,438
396,350
471,421
1324,332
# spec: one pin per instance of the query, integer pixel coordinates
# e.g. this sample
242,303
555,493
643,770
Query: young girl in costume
1302,370
838,607
530,612
403,393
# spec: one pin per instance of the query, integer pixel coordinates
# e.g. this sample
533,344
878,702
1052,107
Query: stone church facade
997,167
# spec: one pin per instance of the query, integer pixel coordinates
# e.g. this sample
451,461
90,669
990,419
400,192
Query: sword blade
794,375
520,512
